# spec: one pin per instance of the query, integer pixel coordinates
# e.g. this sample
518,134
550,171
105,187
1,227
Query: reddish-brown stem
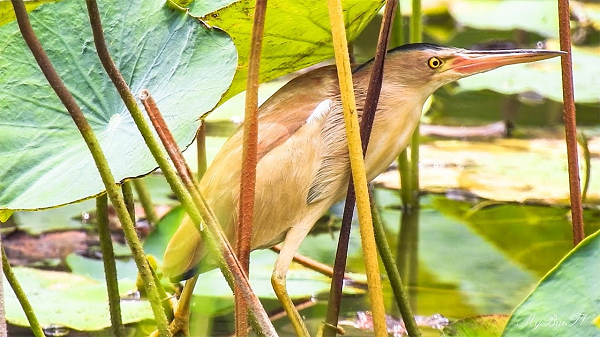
570,120
215,238
243,236
366,123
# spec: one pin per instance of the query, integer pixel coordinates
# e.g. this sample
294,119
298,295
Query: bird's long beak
469,62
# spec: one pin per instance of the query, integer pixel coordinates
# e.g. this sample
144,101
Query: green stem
146,200
110,268
403,163
99,159
405,188
201,146
392,271
407,256
3,332
16,287
128,198
414,166
416,22
583,142
161,290
416,35
397,38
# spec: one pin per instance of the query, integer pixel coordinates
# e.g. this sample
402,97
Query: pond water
456,259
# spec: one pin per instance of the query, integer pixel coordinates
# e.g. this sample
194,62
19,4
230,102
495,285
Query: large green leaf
297,33
69,300
7,13
185,66
566,301
535,237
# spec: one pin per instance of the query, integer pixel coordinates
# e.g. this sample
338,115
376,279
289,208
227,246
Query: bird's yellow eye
434,63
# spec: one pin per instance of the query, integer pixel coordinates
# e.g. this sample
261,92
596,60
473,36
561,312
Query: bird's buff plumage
303,166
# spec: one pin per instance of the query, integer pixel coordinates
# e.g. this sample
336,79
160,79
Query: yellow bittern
303,166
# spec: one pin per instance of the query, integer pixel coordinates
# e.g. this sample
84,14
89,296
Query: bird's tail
184,252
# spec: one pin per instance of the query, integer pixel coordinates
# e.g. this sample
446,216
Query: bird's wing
303,100
288,110
334,160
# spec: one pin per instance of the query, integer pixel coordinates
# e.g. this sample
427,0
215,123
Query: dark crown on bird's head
404,48
416,46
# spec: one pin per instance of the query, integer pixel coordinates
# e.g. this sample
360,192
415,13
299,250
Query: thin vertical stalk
201,150
416,35
197,208
128,198
566,63
358,182
403,163
146,200
587,160
3,332
20,294
243,235
416,22
406,194
99,159
397,37
110,268
392,271
407,253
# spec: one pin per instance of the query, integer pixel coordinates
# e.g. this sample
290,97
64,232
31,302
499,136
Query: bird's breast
392,129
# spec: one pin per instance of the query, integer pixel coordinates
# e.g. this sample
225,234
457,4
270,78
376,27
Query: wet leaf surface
165,51
565,302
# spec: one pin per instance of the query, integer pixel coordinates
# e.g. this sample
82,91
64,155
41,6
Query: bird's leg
291,243
308,262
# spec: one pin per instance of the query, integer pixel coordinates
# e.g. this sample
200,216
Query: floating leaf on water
565,302
479,326
70,301
503,170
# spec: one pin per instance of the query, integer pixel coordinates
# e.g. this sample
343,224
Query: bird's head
425,67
